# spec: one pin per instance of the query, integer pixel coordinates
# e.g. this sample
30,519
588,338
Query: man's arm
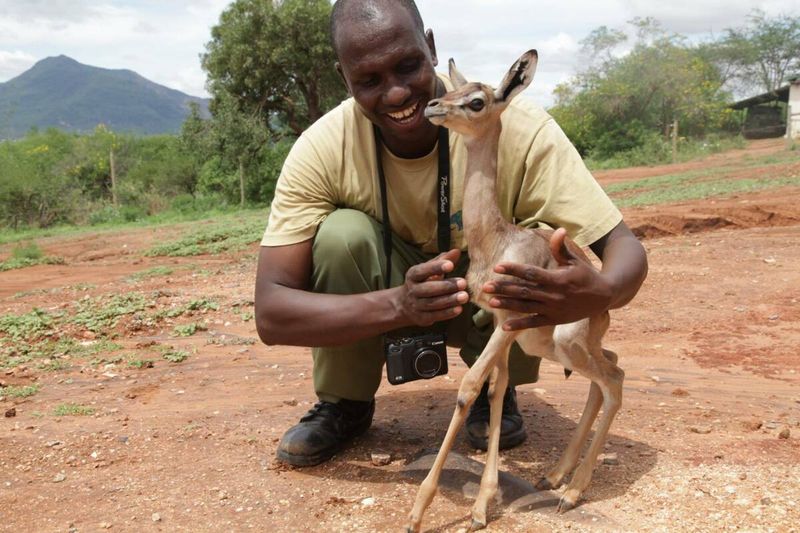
288,313
575,289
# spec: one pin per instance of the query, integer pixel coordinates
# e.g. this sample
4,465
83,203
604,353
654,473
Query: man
320,279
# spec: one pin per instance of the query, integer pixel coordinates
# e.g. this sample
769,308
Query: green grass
221,216
20,392
27,254
72,409
701,190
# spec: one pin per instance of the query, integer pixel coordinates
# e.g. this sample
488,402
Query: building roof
781,95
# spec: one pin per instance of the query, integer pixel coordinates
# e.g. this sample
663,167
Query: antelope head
472,108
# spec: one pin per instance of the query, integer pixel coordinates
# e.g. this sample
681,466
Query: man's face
388,67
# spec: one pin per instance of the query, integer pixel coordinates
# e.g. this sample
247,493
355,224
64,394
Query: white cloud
162,40
12,63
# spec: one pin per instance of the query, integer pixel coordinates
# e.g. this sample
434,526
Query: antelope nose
433,103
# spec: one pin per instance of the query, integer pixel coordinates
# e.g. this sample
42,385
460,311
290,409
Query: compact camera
418,357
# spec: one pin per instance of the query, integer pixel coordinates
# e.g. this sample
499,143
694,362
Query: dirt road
708,438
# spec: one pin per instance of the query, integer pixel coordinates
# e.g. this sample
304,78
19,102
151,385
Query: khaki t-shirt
541,181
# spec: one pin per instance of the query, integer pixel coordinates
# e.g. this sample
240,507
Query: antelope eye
476,104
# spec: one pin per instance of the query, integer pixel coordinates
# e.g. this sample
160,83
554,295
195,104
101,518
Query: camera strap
443,198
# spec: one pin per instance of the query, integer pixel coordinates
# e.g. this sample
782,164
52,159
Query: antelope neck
482,214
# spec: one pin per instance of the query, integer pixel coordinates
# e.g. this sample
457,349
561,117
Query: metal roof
781,95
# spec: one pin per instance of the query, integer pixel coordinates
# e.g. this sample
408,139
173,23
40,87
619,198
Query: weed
175,356
154,272
27,250
21,391
27,326
15,263
187,330
54,365
141,363
247,316
216,239
96,317
72,409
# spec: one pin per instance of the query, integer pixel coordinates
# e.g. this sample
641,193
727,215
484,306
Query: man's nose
397,94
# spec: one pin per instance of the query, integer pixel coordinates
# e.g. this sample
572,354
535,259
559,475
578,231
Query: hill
60,92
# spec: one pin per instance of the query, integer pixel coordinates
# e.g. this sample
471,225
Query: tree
621,102
762,54
275,58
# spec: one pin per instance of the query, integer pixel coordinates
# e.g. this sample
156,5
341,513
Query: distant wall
793,116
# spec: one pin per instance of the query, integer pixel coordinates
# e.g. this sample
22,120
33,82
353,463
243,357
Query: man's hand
573,291
427,297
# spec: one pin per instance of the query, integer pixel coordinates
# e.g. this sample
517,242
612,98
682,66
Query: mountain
60,92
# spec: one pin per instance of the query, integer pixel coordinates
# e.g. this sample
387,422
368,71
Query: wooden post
241,181
113,168
675,140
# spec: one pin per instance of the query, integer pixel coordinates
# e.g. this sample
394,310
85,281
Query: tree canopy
275,59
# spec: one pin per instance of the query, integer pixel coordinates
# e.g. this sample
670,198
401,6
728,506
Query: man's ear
338,67
431,46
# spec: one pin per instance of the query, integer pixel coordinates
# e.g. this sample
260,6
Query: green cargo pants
349,259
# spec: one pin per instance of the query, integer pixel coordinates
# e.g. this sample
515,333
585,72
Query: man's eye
369,82
410,66
476,104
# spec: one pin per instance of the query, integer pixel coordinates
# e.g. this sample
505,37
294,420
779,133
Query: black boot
324,430
511,431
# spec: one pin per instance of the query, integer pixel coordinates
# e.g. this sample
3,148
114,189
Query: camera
417,357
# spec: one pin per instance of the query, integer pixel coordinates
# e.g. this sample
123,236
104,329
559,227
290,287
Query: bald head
367,11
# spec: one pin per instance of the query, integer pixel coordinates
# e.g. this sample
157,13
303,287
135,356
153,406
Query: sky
163,39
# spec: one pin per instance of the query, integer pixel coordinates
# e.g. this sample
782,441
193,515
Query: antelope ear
455,76
518,77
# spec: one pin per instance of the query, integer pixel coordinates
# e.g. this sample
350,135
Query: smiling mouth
406,115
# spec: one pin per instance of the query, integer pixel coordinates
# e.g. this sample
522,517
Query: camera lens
427,363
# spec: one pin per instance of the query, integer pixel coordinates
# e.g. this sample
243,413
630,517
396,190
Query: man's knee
346,254
345,233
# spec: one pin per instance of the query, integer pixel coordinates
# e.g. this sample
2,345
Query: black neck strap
443,198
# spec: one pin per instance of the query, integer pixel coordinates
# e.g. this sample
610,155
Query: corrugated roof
781,95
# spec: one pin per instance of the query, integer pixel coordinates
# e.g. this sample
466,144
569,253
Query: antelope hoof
565,504
544,484
412,529
476,525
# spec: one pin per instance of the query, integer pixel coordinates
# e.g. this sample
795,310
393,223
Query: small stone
222,495
656,379
609,459
766,500
53,443
743,476
752,424
784,434
156,517
367,502
381,459
105,525
59,477
11,413
701,430
292,402
681,393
